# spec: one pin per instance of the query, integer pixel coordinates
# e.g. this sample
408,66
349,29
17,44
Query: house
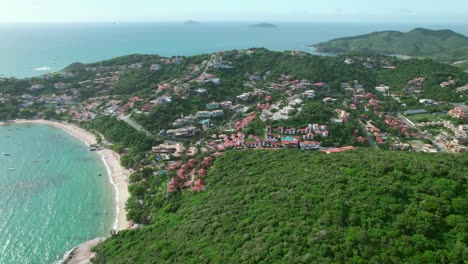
187,131
289,142
320,84
216,113
155,67
179,122
36,87
382,89
426,101
172,185
199,185
415,112
226,104
60,85
173,166
201,172
458,113
200,91
212,105
309,145
309,94
203,114
169,148
329,100
287,110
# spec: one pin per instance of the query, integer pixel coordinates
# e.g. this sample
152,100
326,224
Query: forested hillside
363,206
443,45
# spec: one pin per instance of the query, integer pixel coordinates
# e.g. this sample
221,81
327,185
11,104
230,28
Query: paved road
411,124
127,119
208,63
369,137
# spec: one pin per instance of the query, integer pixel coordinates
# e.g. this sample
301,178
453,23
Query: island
256,156
191,22
442,45
263,25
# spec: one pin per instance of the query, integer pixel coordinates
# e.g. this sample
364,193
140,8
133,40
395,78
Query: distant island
191,22
264,25
442,45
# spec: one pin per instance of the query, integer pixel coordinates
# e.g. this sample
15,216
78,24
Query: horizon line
232,21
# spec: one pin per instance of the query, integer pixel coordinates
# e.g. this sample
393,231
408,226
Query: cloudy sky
393,11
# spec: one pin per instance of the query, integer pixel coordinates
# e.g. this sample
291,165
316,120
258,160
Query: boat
99,174
92,149
40,155
6,154
12,168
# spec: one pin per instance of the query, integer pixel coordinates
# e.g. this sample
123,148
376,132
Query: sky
393,11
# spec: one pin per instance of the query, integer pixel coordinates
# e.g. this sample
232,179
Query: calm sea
53,199
31,50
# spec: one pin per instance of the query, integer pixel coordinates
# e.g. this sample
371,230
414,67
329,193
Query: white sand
118,174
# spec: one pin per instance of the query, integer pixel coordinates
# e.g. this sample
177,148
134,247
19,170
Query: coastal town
193,122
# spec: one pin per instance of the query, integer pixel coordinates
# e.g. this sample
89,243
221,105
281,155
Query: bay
51,197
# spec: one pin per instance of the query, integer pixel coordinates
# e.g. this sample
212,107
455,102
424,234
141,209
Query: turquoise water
288,138
47,208
34,49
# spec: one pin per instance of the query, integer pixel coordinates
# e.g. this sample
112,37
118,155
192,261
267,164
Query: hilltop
286,206
443,45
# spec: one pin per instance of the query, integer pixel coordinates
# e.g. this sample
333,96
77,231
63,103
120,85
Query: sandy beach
118,175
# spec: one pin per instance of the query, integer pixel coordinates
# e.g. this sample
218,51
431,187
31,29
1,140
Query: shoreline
117,174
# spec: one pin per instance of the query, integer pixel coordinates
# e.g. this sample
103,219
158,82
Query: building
203,114
415,112
309,94
60,85
216,113
169,148
36,87
212,106
155,67
382,89
287,110
289,142
310,145
458,113
186,131
226,104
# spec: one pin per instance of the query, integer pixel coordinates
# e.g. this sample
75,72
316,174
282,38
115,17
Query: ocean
28,50
51,197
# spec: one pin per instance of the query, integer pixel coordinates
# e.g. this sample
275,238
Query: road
369,136
127,119
411,124
209,63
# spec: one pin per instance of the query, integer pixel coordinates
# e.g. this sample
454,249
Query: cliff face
82,254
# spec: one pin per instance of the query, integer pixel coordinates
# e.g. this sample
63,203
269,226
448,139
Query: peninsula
443,45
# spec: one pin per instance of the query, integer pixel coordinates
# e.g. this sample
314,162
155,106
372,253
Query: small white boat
12,168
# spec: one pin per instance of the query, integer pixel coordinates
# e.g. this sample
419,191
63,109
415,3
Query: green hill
362,206
444,45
